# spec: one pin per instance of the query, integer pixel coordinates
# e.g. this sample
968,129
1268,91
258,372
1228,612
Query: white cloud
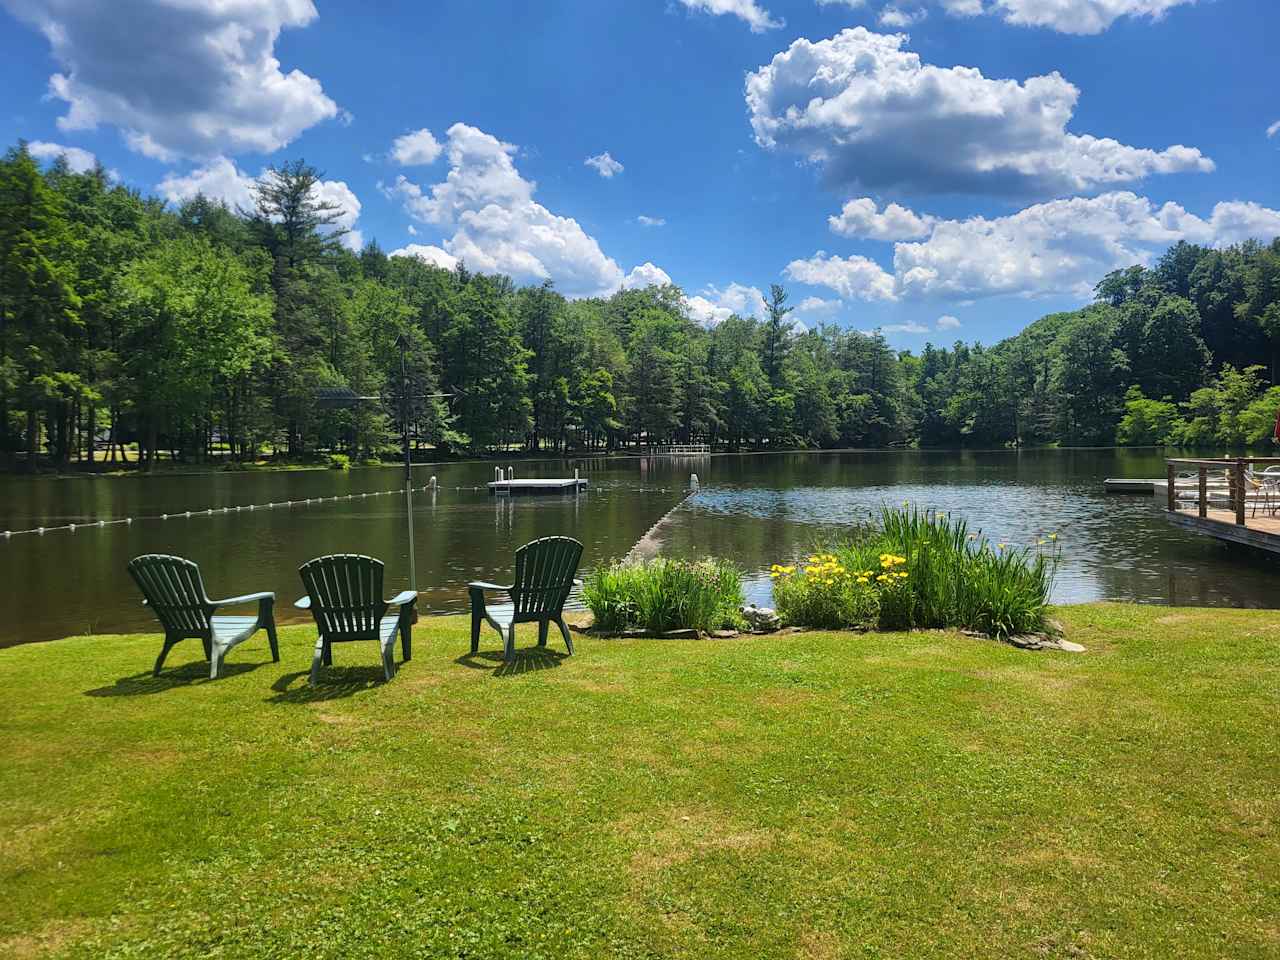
860,218
755,16
651,221
428,253
947,322
851,4
812,305
909,327
413,231
852,277
220,179
178,77
1063,246
714,305
868,112
1273,129
604,165
79,160
645,275
498,226
417,148
1066,16
896,17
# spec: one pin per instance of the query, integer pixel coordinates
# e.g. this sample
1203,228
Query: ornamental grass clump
664,594
919,568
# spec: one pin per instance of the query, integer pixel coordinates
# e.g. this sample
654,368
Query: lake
757,509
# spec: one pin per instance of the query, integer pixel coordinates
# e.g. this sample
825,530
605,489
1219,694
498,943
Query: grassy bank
809,795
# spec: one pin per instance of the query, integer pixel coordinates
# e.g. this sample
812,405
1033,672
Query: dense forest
203,332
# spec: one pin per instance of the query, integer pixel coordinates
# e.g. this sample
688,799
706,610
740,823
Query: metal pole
408,464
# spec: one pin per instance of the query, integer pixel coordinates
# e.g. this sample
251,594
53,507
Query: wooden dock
542,485
1251,513
1261,531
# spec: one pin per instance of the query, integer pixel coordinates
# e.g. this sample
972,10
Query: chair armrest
303,604
247,598
577,582
403,597
482,585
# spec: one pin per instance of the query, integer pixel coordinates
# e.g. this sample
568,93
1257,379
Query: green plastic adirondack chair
544,576
344,595
173,589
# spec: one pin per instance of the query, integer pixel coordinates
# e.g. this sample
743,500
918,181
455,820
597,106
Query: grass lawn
812,795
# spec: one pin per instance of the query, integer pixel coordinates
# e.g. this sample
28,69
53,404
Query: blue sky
942,169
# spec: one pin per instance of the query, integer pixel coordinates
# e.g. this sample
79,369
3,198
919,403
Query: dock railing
1235,469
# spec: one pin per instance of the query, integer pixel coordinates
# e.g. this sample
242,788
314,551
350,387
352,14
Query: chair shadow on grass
335,683
525,661
187,675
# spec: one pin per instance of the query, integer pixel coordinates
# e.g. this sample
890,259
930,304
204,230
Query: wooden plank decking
544,485
1261,531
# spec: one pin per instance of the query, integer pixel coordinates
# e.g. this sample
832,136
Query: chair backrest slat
346,593
174,591
544,575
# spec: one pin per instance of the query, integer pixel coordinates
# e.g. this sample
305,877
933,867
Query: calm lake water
756,509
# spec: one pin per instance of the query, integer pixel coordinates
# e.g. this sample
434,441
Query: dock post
1240,494
1172,491
693,481
1204,491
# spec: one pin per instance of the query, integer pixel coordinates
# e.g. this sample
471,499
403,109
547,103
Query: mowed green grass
810,795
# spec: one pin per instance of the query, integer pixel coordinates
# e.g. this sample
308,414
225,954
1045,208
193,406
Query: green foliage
82,288
1146,422
663,594
924,569
338,461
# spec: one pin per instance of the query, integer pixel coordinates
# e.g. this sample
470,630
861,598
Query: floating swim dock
505,482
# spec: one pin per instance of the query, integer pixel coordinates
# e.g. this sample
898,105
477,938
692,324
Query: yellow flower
1053,536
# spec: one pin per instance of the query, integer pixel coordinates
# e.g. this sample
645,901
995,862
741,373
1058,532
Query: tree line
202,332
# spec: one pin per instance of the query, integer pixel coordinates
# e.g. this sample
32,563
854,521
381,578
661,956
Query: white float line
208,512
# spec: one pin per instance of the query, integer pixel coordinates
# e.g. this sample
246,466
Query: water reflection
754,508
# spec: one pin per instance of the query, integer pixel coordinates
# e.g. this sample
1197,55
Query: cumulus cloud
416,148
645,275
429,253
220,179
1063,246
497,226
861,218
868,112
909,327
714,305
651,221
948,322
755,16
1065,16
1273,129
816,305
604,165
897,17
79,160
180,77
852,277
851,4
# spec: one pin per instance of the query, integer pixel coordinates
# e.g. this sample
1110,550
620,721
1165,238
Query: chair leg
271,639
219,653
328,654
406,641
564,632
389,659
317,660
543,625
475,629
208,647
509,651
164,652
